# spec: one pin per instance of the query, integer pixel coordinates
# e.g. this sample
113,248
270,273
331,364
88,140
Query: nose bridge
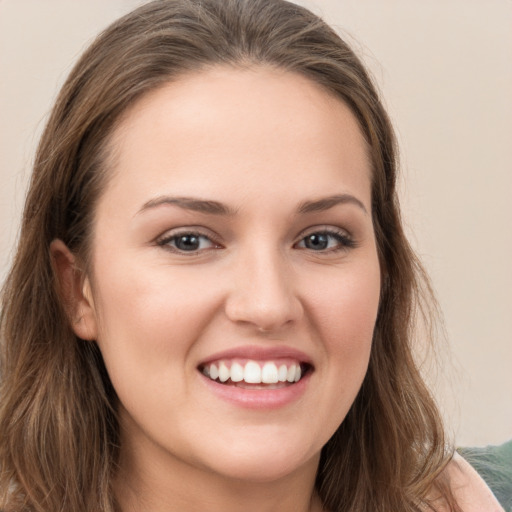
263,290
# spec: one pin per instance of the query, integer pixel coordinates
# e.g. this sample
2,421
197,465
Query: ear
74,289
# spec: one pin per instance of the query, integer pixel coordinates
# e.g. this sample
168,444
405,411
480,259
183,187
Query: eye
187,242
326,241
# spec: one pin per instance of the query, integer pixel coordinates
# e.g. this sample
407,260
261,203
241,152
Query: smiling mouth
256,374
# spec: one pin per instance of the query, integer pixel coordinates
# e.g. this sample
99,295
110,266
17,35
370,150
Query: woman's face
234,240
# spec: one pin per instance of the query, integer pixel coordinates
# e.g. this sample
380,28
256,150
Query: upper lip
259,353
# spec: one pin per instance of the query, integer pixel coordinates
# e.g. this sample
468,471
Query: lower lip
258,398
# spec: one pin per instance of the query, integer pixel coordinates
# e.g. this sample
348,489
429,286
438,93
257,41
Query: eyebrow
189,203
326,203
217,208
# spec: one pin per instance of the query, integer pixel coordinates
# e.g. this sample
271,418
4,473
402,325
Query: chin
264,458
265,470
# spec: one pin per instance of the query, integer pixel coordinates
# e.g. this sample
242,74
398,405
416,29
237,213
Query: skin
262,142
471,492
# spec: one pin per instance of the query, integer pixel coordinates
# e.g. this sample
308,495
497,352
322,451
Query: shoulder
471,492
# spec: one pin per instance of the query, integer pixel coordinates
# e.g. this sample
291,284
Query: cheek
148,322
152,300
345,309
149,325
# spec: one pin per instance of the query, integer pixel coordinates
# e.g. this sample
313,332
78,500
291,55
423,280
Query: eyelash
343,240
167,240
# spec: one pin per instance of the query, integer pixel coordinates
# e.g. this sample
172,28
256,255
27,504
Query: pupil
187,242
317,241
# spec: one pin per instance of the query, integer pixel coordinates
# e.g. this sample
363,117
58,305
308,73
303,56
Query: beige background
445,69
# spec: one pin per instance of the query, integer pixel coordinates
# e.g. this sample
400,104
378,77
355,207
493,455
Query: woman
212,302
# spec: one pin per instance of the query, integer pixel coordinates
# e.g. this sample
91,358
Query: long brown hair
59,433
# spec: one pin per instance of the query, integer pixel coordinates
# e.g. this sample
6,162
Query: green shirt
494,464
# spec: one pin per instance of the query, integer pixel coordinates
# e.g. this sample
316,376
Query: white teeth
269,373
253,373
237,372
224,373
282,373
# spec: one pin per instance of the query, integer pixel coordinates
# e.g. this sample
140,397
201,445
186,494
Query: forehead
226,128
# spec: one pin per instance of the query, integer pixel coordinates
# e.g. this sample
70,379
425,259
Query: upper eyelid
324,229
186,230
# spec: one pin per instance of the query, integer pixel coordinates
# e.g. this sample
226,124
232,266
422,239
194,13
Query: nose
263,292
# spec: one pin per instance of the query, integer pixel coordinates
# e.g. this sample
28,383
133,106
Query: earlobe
74,289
